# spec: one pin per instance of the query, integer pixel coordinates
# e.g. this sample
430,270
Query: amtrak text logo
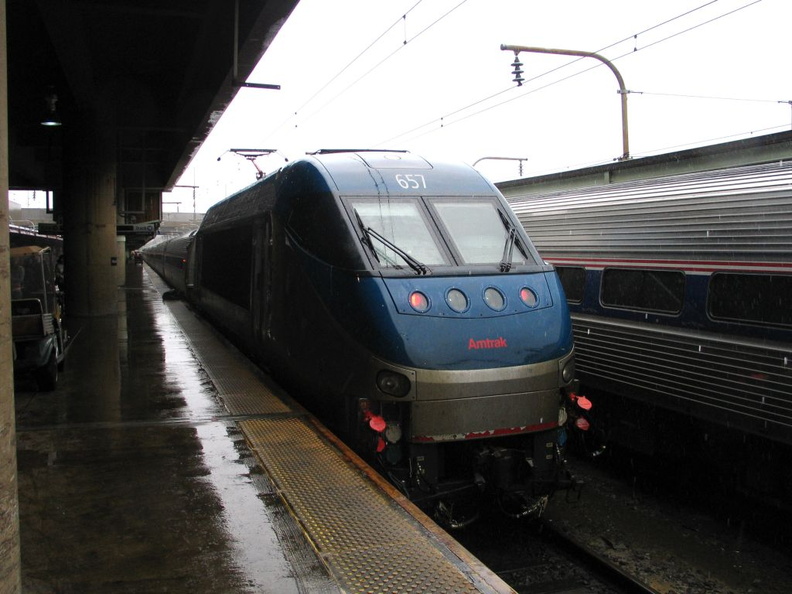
487,343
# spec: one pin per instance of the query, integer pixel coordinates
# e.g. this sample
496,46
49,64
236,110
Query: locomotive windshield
399,233
480,233
428,232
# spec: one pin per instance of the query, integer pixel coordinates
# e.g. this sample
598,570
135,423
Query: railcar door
262,282
189,274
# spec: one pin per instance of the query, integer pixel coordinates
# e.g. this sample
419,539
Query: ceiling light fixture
51,116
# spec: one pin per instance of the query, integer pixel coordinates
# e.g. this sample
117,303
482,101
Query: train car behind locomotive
168,257
680,290
403,303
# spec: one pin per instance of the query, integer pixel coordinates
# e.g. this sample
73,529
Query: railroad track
606,571
536,558
618,538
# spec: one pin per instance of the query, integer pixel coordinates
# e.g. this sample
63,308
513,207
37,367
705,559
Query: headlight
457,300
568,372
494,299
392,383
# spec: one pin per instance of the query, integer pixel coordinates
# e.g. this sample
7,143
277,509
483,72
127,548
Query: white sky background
700,72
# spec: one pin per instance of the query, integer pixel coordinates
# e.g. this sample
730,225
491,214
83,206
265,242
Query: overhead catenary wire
338,74
386,58
445,120
707,97
442,120
360,55
489,102
377,65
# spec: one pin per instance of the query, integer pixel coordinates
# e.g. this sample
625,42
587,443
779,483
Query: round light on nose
393,384
568,372
494,299
457,300
528,297
419,302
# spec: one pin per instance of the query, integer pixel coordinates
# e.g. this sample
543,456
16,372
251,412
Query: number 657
412,181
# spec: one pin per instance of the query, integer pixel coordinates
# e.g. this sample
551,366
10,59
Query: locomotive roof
353,172
369,171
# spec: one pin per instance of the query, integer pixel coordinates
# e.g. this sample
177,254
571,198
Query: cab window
403,225
478,231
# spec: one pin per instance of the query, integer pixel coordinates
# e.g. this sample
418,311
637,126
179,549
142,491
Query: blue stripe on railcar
694,314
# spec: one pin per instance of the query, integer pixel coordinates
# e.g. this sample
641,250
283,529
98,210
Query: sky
429,76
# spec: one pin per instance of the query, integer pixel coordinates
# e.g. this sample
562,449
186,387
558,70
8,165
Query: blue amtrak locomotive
403,303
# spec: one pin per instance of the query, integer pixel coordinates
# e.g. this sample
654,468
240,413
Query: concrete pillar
89,218
10,572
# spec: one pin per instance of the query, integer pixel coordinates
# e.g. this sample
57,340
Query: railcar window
226,264
477,231
758,298
573,279
402,223
649,290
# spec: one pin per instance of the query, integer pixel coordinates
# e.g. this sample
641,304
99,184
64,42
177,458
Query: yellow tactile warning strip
366,540
243,393
242,403
238,385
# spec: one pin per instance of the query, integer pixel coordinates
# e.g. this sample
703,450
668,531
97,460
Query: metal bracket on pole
622,89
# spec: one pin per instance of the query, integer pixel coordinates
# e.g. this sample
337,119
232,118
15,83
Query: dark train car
680,290
168,257
403,303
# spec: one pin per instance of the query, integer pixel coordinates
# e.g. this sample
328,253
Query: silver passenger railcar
680,290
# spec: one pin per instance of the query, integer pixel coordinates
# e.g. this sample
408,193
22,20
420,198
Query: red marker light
582,424
419,302
377,423
528,297
584,403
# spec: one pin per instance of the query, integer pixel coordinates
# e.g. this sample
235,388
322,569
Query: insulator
517,71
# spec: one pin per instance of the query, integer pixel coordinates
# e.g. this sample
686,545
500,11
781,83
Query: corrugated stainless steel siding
737,214
699,372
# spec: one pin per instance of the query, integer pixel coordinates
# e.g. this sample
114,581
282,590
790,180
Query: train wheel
456,514
521,506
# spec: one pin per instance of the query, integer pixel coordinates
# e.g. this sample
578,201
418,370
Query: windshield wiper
508,251
508,247
368,233
366,236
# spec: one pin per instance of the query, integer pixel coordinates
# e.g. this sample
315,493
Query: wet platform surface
137,475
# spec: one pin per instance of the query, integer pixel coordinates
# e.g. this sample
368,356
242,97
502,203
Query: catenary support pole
622,89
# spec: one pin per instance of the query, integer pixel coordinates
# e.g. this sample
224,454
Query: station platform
166,462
